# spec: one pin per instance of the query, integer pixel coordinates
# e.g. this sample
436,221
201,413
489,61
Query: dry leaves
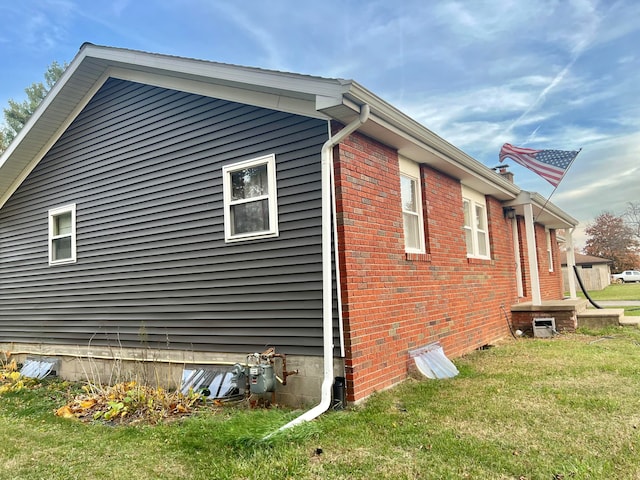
129,402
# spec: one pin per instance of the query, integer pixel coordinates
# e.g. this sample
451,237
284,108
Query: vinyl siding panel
144,167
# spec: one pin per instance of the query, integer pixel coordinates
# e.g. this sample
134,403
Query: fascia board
276,81
277,90
404,126
14,167
272,101
44,105
544,204
545,212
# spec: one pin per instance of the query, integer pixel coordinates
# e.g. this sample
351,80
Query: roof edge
430,141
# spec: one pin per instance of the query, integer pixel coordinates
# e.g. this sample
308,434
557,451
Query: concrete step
600,317
630,321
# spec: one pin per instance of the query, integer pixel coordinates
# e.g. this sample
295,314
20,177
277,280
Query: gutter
327,291
393,119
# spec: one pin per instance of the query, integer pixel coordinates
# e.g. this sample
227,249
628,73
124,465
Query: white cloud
254,28
548,74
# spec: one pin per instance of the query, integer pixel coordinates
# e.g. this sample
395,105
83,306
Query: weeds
10,378
130,403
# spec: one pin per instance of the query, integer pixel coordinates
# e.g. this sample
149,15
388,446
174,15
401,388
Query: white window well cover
213,382
38,367
433,363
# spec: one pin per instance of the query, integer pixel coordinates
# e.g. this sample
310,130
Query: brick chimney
504,171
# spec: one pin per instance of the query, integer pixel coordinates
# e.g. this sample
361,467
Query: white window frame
476,199
54,212
547,234
271,197
411,171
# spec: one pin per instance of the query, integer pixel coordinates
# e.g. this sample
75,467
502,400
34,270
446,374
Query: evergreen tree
17,113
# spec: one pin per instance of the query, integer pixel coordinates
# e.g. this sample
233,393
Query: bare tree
609,237
632,217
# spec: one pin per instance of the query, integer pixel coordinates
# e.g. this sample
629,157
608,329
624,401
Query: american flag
549,164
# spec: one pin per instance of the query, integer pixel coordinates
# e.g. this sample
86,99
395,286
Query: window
62,235
475,223
250,206
549,249
411,198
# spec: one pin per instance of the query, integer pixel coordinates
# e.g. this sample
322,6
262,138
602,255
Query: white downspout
327,290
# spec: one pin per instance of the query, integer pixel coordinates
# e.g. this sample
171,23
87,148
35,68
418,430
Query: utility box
544,327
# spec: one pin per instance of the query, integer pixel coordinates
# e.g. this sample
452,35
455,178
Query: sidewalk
618,303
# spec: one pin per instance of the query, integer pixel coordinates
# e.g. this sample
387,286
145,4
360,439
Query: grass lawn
561,408
626,291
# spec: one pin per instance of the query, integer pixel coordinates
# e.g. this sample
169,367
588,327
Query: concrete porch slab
600,318
564,313
569,304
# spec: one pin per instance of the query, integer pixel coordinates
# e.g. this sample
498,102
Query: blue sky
560,74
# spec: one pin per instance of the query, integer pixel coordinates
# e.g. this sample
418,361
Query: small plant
130,402
10,378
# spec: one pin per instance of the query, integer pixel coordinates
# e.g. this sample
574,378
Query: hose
584,290
508,322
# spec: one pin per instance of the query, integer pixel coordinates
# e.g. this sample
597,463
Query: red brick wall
392,303
550,282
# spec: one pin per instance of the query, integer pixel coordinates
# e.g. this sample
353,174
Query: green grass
533,408
626,291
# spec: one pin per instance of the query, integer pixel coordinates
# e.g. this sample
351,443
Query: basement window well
212,382
433,363
38,367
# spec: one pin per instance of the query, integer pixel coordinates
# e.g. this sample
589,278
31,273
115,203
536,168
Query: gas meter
261,378
259,374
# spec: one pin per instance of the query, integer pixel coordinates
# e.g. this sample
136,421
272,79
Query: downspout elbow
365,111
327,290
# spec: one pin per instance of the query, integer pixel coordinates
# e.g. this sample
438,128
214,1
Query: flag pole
558,184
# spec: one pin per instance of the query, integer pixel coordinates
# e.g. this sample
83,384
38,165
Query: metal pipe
124,359
285,372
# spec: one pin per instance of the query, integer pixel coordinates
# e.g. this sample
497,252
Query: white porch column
571,261
532,255
517,259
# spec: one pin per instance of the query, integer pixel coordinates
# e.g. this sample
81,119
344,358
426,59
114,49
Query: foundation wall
164,368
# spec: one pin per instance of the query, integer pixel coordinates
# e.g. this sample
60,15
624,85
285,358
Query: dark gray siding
144,167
